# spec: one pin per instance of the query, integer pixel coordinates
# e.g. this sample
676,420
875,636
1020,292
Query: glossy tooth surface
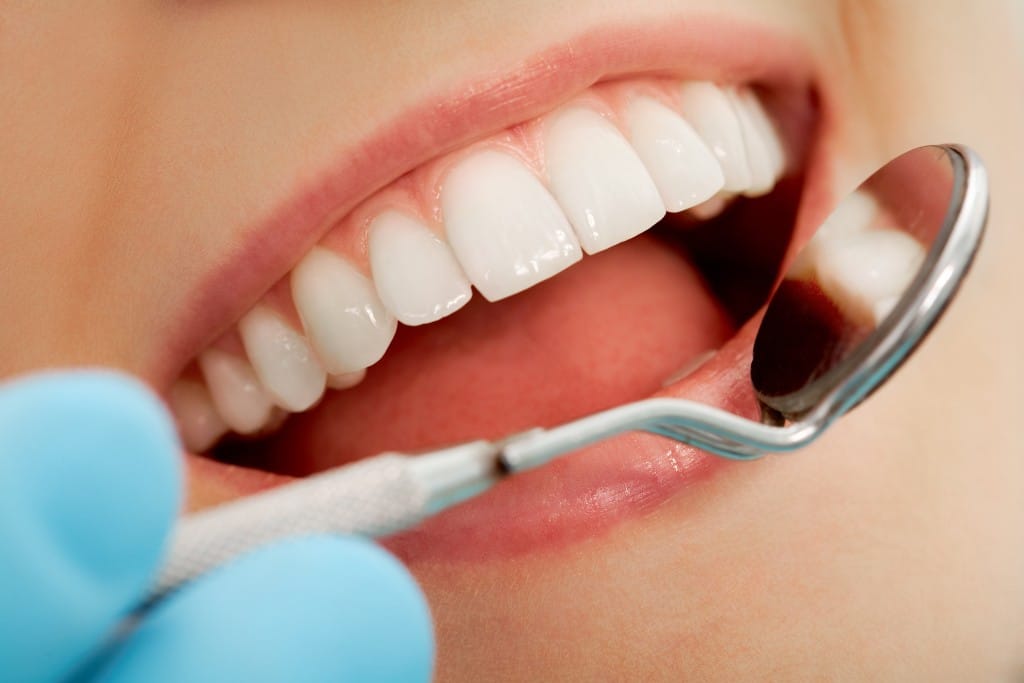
710,112
865,272
505,228
769,133
683,168
414,270
599,180
282,359
760,161
198,420
345,321
235,390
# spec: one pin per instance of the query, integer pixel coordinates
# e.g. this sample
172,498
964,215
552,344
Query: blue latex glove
89,489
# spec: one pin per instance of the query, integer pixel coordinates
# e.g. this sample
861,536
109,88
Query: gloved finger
308,609
89,487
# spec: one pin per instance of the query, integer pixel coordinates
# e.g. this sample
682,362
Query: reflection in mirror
856,273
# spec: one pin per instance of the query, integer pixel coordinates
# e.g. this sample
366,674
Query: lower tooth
282,359
235,390
345,381
712,207
198,421
683,168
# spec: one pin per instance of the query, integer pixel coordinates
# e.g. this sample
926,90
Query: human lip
591,490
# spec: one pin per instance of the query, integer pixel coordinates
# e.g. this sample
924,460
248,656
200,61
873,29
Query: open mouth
615,248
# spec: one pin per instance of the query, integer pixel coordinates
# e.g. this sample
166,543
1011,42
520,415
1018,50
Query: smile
616,244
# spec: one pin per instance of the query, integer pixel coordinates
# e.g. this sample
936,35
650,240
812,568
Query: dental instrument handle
373,497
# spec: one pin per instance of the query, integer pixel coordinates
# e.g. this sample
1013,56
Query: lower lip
586,493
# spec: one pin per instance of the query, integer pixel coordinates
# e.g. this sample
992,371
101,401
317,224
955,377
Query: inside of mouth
614,328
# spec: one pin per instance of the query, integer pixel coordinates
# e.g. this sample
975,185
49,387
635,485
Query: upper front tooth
235,390
866,272
599,180
683,168
197,417
505,228
711,113
282,359
346,322
415,272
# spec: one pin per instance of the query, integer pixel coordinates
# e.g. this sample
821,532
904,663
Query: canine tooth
599,180
866,272
282,359
759,156
505,228
198,420
346,380
683,168
348,326
710,112
415,272
235,390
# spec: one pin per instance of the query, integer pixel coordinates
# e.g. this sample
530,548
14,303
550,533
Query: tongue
610,329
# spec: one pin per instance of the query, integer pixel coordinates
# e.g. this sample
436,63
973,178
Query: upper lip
706,47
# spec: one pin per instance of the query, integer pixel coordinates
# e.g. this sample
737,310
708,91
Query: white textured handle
371,498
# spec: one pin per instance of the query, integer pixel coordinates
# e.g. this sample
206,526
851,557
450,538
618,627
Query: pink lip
706,47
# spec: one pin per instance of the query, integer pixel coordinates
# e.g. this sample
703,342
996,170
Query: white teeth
506,229
684,169
856,213
347,380
599,180
416,274
768,134
866,272
235,390
282,359
346,322
197,417
759,156
711,113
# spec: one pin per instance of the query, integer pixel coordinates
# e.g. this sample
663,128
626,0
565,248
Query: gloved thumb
89,487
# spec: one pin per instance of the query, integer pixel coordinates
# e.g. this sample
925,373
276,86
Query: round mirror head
869,285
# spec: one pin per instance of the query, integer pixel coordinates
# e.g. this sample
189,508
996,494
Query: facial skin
141,142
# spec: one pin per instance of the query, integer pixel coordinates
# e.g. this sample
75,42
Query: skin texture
137,151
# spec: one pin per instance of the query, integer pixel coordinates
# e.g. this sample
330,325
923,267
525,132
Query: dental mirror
869,285
854,303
